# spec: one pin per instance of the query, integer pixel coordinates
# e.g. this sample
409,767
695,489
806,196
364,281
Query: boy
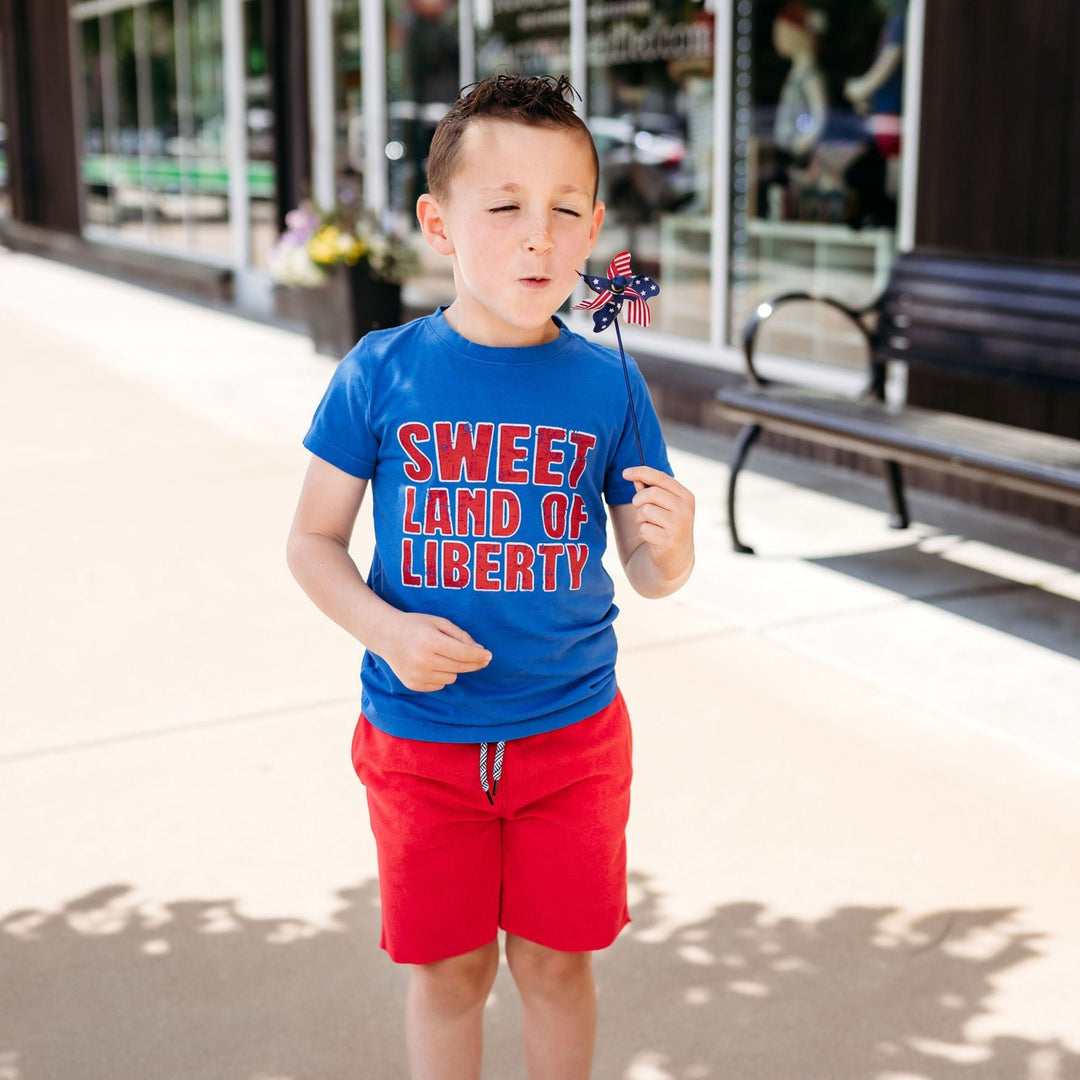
491,436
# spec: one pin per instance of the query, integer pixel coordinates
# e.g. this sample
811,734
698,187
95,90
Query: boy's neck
481,332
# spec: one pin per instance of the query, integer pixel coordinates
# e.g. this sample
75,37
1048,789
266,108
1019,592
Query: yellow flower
323,246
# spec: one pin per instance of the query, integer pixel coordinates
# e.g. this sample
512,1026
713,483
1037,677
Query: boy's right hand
428,652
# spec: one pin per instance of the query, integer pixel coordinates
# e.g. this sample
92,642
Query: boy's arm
426,652
655,533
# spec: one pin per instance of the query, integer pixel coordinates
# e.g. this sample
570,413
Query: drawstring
496,771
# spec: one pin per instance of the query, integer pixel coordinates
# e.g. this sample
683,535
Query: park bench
996,319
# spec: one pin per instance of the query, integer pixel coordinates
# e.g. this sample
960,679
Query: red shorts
545,861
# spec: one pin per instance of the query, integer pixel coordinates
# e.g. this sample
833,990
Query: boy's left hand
664,523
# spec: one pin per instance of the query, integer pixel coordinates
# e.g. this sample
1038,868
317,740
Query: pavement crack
128,737
682,639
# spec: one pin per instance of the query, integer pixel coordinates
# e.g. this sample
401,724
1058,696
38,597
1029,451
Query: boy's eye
568,210
502,209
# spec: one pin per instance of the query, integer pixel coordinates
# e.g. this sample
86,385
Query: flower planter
349,305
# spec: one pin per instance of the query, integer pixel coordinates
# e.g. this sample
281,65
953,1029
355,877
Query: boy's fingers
654,478
476,658
650,477
656,496
459,646
445,626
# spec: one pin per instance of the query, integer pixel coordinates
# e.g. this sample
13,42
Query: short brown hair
540,100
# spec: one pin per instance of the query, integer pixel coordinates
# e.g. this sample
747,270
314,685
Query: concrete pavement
854,843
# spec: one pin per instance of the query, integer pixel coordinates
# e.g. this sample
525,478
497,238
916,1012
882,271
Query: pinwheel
619,288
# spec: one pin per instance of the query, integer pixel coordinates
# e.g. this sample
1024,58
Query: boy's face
519,222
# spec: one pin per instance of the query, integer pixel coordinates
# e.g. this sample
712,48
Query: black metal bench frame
997,319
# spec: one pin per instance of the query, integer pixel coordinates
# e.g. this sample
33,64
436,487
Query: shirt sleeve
618,491
341,431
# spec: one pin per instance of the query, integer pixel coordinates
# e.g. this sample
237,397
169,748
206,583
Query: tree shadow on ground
111,987
865,993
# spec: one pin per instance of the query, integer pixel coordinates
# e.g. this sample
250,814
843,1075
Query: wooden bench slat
945,301
997,357
1006,274
1043,316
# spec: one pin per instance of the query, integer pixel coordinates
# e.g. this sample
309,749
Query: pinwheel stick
629,393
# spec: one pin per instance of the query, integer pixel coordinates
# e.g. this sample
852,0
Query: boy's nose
539,242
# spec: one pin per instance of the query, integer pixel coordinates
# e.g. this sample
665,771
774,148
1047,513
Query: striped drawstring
496,771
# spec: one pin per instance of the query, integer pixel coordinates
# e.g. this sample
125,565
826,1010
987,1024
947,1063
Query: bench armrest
767,308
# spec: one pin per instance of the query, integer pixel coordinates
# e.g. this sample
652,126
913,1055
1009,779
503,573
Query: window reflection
422,80
261,135
348,92
530,37
651,113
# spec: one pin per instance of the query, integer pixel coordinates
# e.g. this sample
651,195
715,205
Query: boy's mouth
534,282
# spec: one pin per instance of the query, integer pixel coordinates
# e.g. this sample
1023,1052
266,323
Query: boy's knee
460,983
539,970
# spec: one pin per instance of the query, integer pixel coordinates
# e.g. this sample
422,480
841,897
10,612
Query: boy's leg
558,1009
566,801
445,1015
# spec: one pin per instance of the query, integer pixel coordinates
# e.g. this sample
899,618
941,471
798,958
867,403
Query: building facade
747,146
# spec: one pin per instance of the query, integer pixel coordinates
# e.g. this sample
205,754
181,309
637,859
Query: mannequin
803,106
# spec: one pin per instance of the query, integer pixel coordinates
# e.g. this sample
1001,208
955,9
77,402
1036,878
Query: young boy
494,744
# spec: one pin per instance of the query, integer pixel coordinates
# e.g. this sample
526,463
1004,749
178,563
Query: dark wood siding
288,46
44,164
999,163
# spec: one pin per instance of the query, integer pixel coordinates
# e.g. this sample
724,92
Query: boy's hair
540,100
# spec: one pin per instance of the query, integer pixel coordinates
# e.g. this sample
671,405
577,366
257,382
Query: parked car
641,170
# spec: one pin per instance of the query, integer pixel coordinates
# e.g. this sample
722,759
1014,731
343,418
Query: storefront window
422,81
154,166
348,94
816,163
201,148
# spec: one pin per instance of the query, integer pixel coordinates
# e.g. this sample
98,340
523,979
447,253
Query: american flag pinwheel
621,288
618,288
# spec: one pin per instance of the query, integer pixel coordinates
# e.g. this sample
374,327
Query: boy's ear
599,209
433,224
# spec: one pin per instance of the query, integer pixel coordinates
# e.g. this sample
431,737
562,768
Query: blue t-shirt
489,469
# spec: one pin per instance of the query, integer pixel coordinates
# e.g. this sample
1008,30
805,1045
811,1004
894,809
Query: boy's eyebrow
512,188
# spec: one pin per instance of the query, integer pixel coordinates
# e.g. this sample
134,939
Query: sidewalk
856,821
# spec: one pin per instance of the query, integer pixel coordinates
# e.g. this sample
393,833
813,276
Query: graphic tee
489,470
